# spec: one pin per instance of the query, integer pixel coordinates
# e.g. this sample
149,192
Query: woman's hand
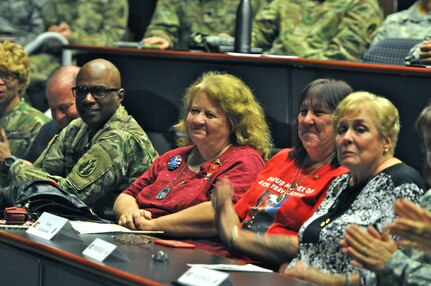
413,226
226,219
370,250
135,219
311,274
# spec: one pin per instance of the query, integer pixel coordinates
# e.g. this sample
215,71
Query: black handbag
38,197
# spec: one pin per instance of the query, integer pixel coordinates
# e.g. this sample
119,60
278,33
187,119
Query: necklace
165,191
296,180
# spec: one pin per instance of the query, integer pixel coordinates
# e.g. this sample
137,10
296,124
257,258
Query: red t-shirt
264,210
240,164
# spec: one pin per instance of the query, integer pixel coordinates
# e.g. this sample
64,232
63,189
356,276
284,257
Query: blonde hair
423,124
384,114
234,97
14,59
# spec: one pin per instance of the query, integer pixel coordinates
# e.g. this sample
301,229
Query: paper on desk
233,267
85,227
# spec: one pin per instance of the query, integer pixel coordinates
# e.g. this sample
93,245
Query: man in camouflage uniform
99,154
84,22
19,121
21,20
333,30
181,24
413,23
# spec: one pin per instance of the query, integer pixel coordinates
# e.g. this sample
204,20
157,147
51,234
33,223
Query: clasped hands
136,219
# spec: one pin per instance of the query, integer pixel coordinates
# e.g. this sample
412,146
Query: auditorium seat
391,51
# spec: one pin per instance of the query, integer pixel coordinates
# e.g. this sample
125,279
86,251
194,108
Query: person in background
225,136
21,20
98,154
393,265
413,23
62,106
263,225
19,122
181,25
322,30
365,138
83,22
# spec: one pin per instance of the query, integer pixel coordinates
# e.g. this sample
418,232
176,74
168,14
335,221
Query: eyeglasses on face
98,92
63,108
8,76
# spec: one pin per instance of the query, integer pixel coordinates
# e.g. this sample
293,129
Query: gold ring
420,229
365,251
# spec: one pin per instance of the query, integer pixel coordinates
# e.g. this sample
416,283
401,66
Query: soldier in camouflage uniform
413,23
20,121
99,154
85,22
21,20
333,30
181,24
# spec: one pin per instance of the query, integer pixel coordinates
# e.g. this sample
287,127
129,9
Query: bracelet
348,281
231,243
214,202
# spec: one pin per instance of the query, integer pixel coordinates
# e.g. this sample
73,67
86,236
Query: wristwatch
8,161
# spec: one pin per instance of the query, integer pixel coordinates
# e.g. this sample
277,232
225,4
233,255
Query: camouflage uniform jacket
330,29
22,124
408,267
22,20
184,22
95,168
405,24
96,22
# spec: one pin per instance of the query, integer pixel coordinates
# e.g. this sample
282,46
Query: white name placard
100,249
49,226
197,276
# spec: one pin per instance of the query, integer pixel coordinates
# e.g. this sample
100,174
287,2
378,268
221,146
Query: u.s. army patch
87,168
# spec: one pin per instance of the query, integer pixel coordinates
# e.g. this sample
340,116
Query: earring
386,150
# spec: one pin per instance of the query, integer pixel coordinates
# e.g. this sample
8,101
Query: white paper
100,249
197,276
233,267
84,227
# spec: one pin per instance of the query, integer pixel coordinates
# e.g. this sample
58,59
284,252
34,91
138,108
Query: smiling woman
224,135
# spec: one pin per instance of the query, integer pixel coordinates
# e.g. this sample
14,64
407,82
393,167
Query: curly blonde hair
14,59
234,97
384,114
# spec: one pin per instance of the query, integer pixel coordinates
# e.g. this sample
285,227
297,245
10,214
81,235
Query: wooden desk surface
155,82
141,270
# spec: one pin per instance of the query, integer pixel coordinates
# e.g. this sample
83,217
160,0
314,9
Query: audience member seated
21,20
225,136
182,25
96,23
98,154
399,266
331,30
19,121
365,138
289,188
414,23
62,105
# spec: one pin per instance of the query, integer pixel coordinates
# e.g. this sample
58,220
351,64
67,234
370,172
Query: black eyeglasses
98,92
63,108
8,76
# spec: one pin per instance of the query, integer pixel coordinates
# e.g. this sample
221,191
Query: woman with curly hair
19,121
223,135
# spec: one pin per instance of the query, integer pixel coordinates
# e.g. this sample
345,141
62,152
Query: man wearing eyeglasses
99,154
62,105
